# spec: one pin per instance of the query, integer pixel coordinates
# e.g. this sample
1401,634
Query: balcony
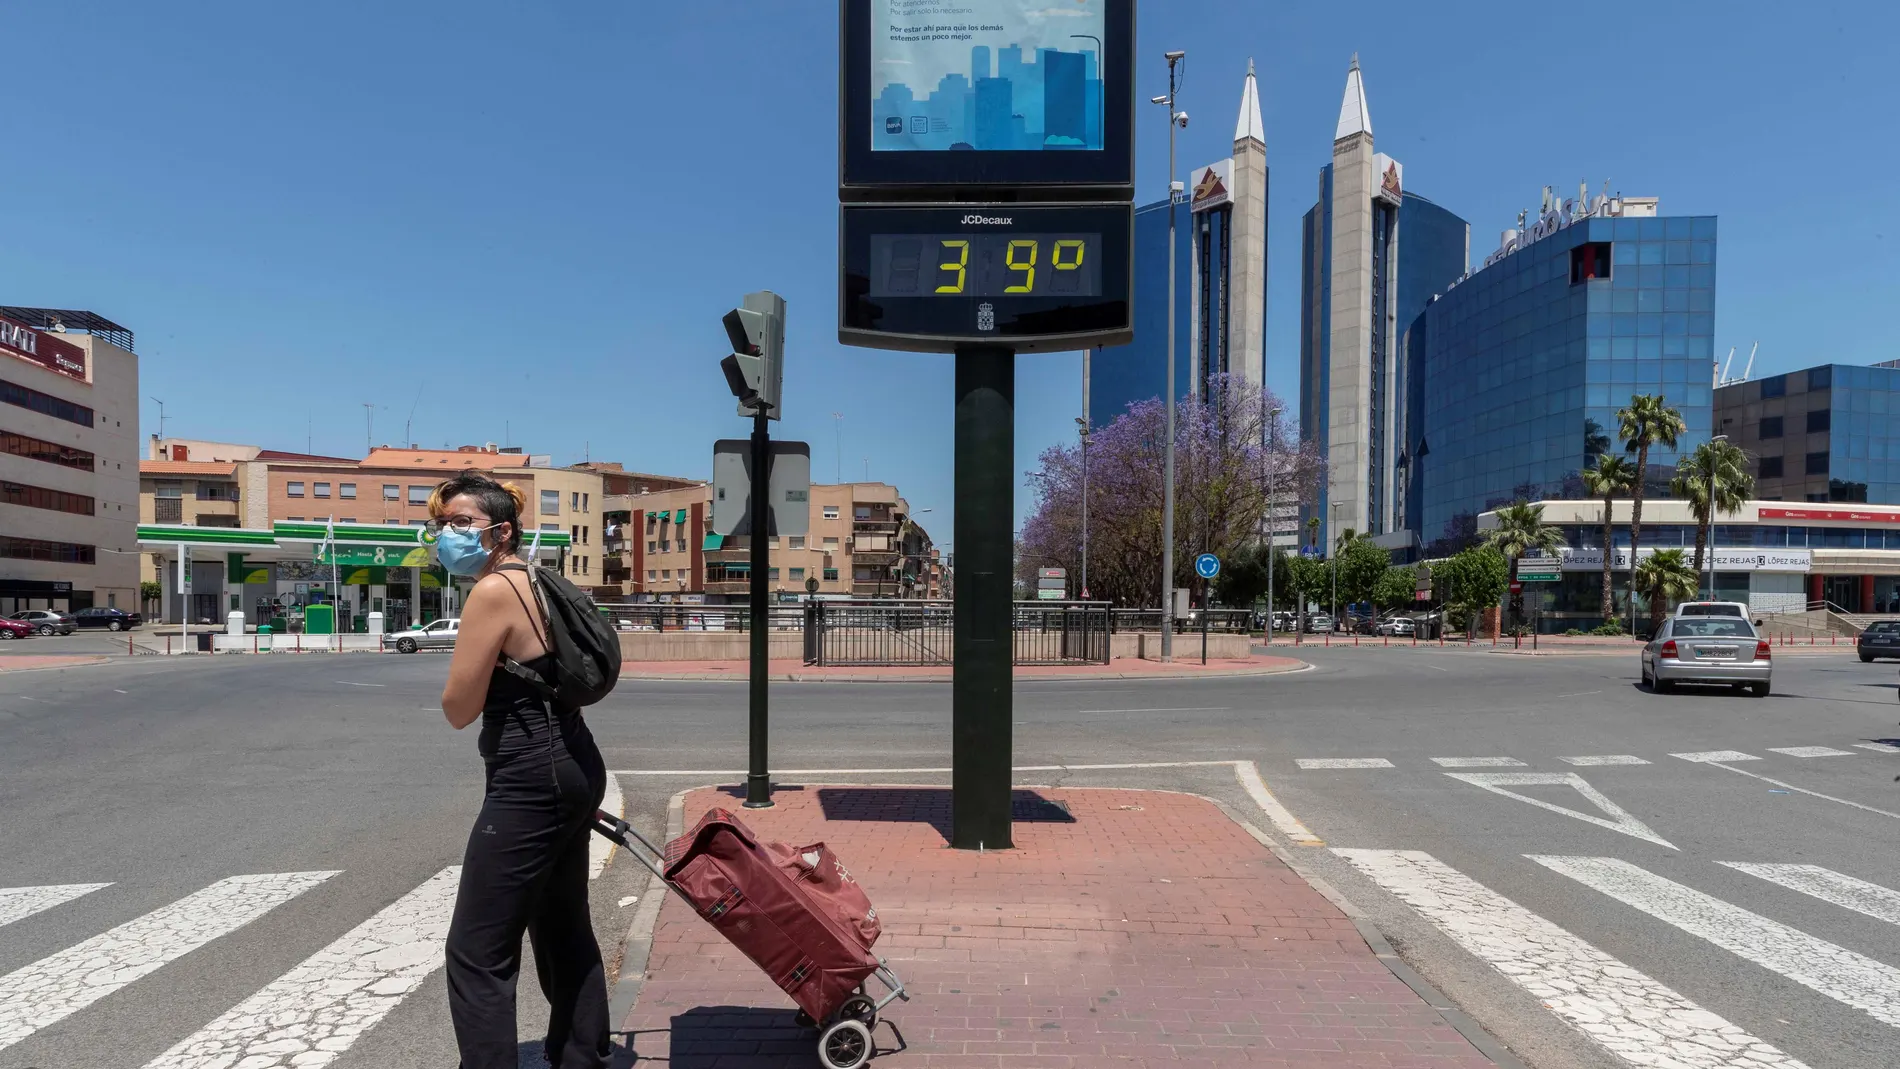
168,510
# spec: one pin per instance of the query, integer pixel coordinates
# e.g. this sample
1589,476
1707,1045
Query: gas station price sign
1034,277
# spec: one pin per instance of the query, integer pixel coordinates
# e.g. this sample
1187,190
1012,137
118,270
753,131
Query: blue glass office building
1525,363
1822,434
1122,375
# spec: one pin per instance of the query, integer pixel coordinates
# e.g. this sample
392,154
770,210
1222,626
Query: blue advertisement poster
986,75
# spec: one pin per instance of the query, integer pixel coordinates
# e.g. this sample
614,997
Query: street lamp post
1332,557
1708,490
1273,416
1176,119
1083,426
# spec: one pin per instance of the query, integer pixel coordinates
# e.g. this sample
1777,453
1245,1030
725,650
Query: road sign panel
789,476
1207,566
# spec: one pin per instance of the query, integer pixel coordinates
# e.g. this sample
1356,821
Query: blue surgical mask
461,550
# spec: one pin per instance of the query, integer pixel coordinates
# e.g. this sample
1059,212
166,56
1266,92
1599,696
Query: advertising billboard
1211,186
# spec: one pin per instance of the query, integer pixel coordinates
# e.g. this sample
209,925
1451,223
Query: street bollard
168,645
1329,640
1388,640
1355,640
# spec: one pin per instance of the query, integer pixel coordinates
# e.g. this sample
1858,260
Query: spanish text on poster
986,75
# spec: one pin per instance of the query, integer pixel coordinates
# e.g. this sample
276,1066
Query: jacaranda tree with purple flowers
1224,468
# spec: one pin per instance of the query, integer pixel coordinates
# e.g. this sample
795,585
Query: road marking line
348,683
116,690
1605,759
1709,757
1290,826
63,984
1579,694
1829,886
1809,751
1342,762
1622,821
600,849
19,903
1831,970
1477,762
1192,709
1803,790
1878,747
1624,1011
317,1010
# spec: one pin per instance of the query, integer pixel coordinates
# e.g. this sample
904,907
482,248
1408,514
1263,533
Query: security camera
1172,56
1182,119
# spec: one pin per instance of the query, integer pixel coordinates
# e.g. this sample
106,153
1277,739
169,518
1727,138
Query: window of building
346,519
1817,465
772,542
44,403
168,488
397,523
831,543
39,497
666,573
550,502
798,541
798,575
1819,420
293,489
574,501
651,520
49,452
1770,468
320,490
1820,378
574,534
771,573
652,546
1589,260
1771,426
681,544
587,536
1842,490
392,492
831,512
294,519
41,549
831,574
652,575
1775,387
217,492
346,491
585,504
419,495
862,512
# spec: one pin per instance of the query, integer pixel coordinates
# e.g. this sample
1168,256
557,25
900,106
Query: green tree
1664,578
1647,421
1610,477
1396,588
1712,479
1243,579
1360,565
1470,582
1304,578
1521,530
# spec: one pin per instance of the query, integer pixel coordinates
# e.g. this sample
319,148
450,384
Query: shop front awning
713,541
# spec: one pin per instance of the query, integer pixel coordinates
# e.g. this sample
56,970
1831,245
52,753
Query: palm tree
1712,479
1647,421
1520,530
1347,536
1312,531
1611,476
1664,578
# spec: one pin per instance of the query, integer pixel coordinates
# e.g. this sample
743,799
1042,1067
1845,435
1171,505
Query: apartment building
863,542
69,389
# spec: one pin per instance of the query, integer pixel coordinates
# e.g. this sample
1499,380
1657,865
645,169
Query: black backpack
586,650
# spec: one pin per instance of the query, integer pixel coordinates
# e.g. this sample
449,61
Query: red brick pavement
1136,928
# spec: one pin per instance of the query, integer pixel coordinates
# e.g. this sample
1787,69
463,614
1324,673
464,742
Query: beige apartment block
68,461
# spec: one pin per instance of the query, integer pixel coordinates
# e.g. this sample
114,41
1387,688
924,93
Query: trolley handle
623,833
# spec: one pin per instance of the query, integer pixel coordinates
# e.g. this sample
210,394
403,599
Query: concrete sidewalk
1121,668
1127,928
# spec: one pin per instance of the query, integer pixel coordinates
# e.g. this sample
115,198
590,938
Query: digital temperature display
986,265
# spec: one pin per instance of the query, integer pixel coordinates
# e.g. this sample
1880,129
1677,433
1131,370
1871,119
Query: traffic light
756,367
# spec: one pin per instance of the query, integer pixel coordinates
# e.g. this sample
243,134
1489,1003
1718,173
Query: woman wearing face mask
525,868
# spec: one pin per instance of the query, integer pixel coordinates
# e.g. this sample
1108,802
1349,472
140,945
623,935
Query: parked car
439,635
1284,621
1401,626
108,618
1881,639
11,629
1708,649
46,621
1318,622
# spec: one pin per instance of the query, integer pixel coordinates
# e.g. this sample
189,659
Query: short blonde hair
503,502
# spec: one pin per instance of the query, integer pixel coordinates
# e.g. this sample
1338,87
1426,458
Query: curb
637,947
804,677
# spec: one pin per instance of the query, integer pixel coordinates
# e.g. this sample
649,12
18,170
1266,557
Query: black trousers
526,870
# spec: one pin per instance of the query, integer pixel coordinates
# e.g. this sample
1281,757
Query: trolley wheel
859,1008
845,1045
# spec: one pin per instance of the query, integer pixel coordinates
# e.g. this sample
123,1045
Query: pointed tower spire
1353,116
1249,125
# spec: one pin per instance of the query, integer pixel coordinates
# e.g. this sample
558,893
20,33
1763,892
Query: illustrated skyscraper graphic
1052,100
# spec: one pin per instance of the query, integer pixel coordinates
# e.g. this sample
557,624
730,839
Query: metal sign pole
981,713
758,782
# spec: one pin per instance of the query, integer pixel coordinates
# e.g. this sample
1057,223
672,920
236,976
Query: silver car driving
1708,649
439,635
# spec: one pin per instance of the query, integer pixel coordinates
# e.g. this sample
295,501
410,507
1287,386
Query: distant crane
1723,378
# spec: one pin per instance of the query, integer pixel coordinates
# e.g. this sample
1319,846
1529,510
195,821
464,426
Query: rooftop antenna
1751,361
1721,377
408,425
161,418
369,427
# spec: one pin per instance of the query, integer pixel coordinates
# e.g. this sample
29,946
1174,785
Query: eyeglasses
460,523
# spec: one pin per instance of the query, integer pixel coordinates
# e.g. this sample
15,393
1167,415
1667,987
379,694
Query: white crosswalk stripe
1477,762
316,1011
1831,970
19,903
1829,886
1342,762
1623,1010
1604,759
64,983
1809,751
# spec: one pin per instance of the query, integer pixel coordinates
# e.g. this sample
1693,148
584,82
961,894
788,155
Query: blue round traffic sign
1207,566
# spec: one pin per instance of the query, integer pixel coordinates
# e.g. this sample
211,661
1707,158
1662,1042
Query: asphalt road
163,778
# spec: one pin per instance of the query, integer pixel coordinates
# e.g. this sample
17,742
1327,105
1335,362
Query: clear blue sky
536,213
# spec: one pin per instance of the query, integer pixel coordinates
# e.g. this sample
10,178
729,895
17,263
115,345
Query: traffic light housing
756,368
